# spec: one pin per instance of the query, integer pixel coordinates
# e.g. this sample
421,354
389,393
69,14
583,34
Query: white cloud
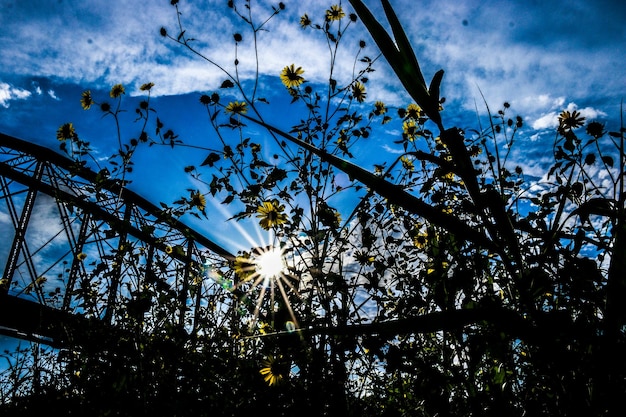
547,121
392,150
53,95
478,46
9,93
551,120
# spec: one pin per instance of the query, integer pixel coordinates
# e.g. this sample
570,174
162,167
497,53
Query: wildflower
265,328
243,267
409,129
414,111
146,86
328,216
271,214
236,107
379,108
363,258
81,256
169,249
475,150
407,163
569,121
117,90
595,129
198,200
358,91
66,132
420,240
274,370
305,21
86,100
335,13
291,76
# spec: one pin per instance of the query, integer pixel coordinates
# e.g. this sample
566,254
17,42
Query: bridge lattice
78,248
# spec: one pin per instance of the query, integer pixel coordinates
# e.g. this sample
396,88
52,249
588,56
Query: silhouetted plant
443,283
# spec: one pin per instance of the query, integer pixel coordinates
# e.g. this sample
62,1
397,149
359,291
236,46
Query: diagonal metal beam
19,240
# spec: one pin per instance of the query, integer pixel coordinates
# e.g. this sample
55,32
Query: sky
541,57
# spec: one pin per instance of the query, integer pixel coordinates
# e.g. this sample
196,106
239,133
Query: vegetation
445,283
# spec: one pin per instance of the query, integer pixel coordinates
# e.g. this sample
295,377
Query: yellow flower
291,76
358,91
244,267
117,90
274,370
448,176
571,120
146,86
305,21
198,200
271,214
407,163
414,111
66,131
421,240
409,128
379,108
81,256
86,100
335,13
265,328
236,107
169,249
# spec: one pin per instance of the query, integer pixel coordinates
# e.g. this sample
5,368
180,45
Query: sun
270,263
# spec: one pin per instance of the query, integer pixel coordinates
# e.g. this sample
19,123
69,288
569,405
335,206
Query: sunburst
266,269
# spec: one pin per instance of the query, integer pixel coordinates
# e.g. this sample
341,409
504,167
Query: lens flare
267,272
270,263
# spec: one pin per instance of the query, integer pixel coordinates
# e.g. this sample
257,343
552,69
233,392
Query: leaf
433,90
598,206
404,46
392,192
401,57
211,159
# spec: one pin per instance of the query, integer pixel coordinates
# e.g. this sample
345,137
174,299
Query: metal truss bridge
77,250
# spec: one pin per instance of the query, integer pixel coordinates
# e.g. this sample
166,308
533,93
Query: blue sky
542,57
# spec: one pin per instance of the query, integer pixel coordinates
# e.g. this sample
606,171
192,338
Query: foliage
444,283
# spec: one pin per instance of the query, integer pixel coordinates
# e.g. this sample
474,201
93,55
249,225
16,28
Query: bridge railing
75,244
